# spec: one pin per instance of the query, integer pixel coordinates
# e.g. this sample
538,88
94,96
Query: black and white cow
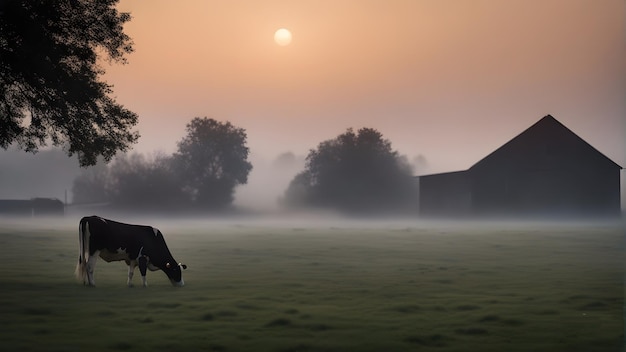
137,245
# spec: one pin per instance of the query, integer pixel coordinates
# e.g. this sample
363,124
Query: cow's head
174,272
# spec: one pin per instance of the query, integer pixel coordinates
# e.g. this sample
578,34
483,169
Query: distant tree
355,173
50,88
212,159
285,160
92,185
144,185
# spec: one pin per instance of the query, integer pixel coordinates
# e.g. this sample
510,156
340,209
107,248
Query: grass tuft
297,348
513,322
489,318
37,311
121,346
406,308
440,309
217,347
105,313
320,327
472,331
434,340
246,306
226,313
547,312
594,305
279,322
168,305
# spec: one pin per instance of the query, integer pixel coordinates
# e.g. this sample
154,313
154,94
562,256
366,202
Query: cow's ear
182,266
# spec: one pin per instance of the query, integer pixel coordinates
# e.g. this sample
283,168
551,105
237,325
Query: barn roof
443,173
547,122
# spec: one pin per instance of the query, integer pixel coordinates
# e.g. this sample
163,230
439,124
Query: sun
282,37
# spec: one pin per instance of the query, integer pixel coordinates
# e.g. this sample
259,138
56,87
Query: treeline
355,172
210,161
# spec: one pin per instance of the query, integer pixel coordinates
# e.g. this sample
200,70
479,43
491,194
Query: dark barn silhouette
31,207
547,170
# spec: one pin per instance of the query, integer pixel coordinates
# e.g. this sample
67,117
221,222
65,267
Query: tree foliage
49,77
212,159
356,173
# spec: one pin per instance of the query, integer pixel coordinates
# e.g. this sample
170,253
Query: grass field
255,287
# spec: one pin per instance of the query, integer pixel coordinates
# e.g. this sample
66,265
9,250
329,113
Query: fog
50,174
268,181
327,221
46,174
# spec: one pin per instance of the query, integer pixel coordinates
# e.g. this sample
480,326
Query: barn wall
600,193
446,194
550,192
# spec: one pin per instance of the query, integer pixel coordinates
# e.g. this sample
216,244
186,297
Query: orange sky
451,80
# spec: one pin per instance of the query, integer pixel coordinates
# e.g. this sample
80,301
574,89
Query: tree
132,182
49,77
144,185
355,173
212,159
91,186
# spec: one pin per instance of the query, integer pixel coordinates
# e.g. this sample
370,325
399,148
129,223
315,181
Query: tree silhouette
92,185
355,173
134,182
144,185
212,159
49,77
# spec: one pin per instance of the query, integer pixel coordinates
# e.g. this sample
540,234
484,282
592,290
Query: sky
447,80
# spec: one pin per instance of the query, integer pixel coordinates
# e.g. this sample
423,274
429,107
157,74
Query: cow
137,245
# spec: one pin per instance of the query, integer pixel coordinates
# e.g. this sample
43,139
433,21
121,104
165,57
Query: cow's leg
91,265
131,270
143,266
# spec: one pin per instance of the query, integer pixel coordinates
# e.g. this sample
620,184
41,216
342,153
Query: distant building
547,170
31,207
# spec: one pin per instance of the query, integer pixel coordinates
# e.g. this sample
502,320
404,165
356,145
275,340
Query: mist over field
51,174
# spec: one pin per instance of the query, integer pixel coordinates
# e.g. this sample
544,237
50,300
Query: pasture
359,287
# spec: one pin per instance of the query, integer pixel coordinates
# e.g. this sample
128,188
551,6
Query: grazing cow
137,245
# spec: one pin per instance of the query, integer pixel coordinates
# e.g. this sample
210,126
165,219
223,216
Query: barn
547,170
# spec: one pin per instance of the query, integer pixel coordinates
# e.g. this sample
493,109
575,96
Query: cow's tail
83,250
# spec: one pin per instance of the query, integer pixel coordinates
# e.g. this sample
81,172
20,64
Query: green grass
262,288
